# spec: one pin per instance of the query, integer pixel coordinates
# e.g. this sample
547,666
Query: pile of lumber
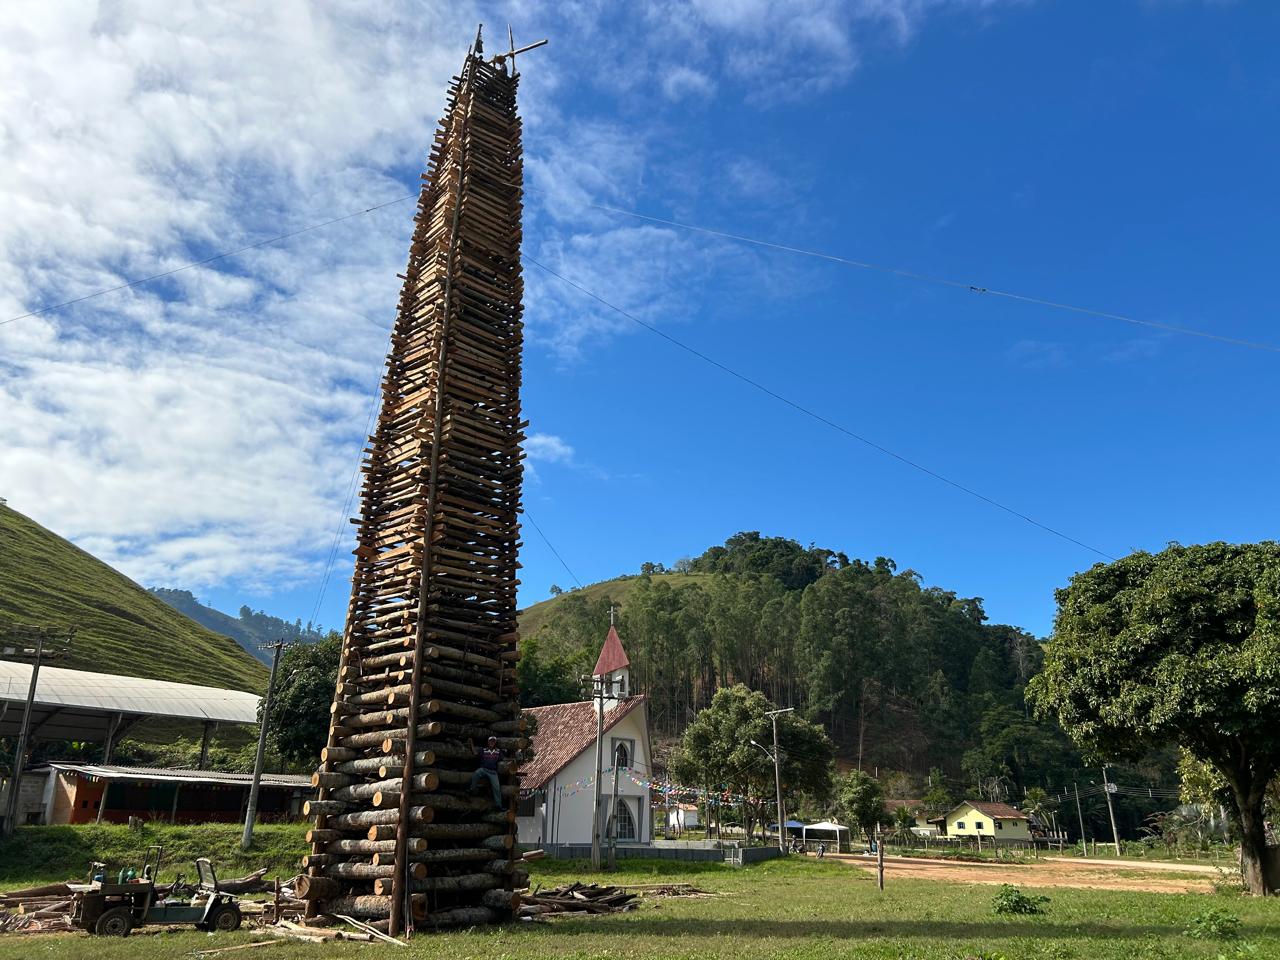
429,653
576,898
35,909
34,922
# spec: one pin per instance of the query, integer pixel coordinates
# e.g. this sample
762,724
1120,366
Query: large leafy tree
859,798
1015,752
299,721
716,751
548,677
1179,647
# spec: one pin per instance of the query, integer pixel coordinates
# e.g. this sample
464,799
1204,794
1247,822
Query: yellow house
980,818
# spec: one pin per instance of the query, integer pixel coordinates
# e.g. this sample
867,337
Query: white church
557,784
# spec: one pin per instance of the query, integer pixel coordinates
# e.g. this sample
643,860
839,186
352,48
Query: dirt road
1096,875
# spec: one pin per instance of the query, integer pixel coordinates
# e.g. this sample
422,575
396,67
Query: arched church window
626,823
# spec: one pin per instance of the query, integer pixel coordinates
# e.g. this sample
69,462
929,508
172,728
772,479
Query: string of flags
671,792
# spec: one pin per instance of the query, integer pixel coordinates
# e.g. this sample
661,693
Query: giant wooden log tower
429,650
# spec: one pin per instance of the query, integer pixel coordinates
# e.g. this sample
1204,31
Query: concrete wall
30,798
669,850
686,853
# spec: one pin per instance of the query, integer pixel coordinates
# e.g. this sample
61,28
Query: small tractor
113,909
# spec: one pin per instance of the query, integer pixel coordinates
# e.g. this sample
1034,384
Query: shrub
1228,882
1213,924
1009,899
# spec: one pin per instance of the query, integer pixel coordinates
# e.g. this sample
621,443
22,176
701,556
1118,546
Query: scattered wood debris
667,890
576,898
34,922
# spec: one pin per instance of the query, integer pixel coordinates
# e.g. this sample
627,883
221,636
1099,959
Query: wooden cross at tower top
502,58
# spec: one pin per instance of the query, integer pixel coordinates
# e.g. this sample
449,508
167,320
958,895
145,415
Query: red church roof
612,656
564,731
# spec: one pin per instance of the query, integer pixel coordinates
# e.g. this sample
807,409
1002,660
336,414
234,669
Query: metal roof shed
82,705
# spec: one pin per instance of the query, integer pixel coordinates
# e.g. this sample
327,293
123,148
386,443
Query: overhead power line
528,516
948,282
207,260
840,428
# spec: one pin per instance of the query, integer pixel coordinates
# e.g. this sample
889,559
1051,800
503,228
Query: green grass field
794,909
120,628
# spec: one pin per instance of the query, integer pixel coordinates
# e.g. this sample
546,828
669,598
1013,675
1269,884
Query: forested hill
252,629
910,675
120,628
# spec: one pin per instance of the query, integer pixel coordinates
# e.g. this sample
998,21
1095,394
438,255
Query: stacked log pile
429,650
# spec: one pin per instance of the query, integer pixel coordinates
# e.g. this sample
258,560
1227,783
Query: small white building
682,816
557,784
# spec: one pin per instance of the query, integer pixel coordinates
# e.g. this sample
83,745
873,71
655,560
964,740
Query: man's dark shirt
490,757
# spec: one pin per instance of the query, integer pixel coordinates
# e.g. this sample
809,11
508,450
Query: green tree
859,799
937,799
1015,750
1178,647
546,678
903,820
717,752
1036,804
299,721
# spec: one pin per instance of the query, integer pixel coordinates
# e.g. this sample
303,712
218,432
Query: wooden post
879,859
108,748
20,751
102,801
205,737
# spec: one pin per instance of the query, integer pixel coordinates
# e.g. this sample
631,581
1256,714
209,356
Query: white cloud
682,82
203,429
547,448
1038,354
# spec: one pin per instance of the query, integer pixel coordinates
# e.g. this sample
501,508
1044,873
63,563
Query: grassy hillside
532,618
217,621
120,627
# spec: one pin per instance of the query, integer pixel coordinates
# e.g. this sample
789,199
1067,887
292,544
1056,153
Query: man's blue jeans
493,782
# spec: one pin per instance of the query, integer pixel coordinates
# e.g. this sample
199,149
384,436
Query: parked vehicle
113,909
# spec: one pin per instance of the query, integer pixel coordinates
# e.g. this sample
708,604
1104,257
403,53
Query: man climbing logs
490,757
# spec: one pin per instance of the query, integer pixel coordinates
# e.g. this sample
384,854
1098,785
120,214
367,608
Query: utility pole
613,814
597,696
777,777
1084,844
251,811
1109,788
24,732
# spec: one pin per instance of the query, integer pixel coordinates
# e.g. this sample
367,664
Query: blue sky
201,431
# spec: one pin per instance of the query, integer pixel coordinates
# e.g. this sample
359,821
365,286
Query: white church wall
564,814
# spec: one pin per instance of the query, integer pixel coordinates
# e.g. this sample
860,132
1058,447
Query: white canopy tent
827,830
